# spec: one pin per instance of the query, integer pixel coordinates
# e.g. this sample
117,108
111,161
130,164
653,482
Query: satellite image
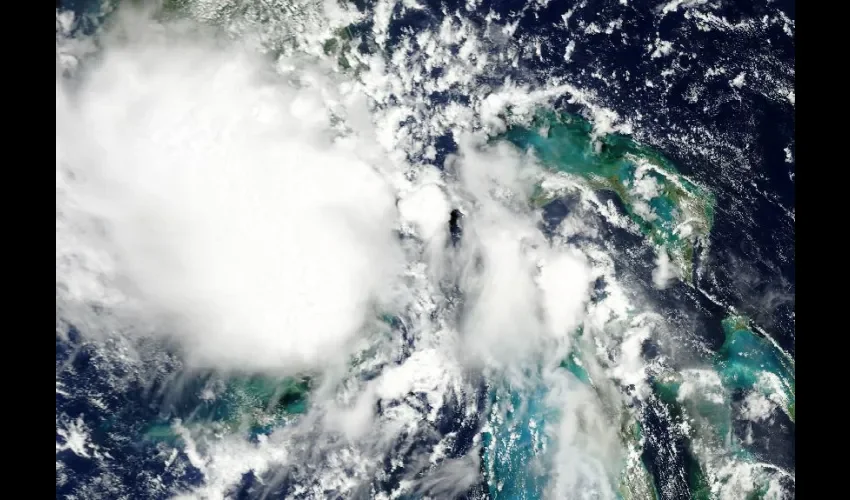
421,249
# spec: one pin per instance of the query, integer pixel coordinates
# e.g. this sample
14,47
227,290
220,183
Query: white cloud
213,196
665,271
521,294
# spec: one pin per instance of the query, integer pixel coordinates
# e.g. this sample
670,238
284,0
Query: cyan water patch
573,365
518,450
749,361
701,400
670,210
515,445
573,362
256,405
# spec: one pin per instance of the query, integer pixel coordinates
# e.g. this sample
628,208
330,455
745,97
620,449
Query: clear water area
515,443
125,421
117,403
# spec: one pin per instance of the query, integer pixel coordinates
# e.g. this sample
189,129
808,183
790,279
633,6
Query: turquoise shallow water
740,366
253,405
745,356
515,447
682,212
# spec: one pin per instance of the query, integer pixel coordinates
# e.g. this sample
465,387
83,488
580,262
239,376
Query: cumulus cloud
522,293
